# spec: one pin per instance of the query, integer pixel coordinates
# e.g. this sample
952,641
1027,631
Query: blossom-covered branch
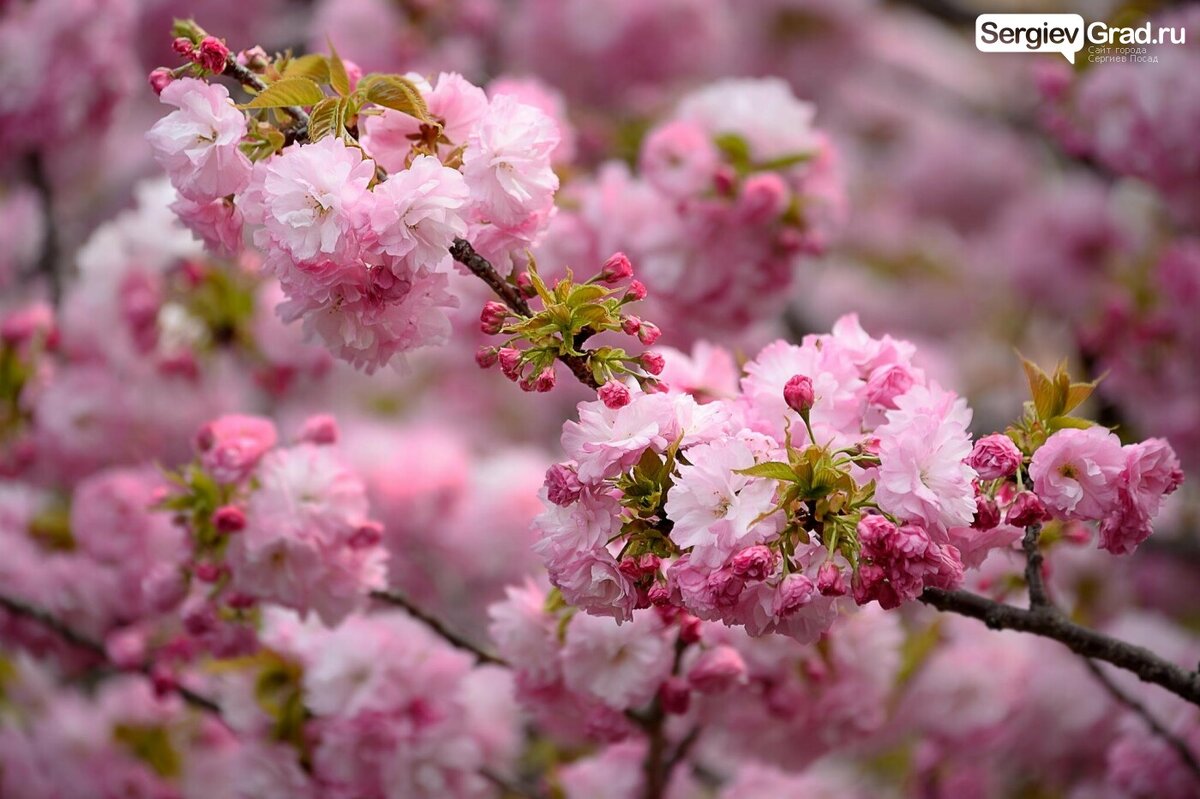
438,626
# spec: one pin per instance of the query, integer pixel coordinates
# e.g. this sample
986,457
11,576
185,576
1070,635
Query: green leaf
327,118
1077,394
771,469
313,66
735,148
338,79
782,162
287,91
1042,389
586,293
1062,422
397,93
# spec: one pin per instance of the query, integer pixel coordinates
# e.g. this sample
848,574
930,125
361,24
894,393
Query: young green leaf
397,93
771,469
286,92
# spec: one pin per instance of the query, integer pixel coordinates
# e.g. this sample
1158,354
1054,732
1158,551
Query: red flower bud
798,393
987,513
229,519
183,46
486,357
830,581
212,54
653,363
674,696
1027,509
636,291
630,325
614,394
545,380
492,317
648,333
160,78
510,362
616,268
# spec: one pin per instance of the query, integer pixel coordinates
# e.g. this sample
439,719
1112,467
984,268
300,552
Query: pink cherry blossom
198,143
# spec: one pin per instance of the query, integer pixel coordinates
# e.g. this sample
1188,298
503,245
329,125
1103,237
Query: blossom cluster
360,243
839,468
731,190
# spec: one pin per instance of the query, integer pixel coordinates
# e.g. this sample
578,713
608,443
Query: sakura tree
275,524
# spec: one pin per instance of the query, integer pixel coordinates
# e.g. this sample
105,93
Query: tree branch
76,638
1154,724
1047,623
439,627
47,263
465,254
1034,579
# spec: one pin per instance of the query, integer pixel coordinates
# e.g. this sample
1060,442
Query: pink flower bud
764,198
525,285
562,484
830,581
240,601
794,592
616,268
368,534
630,325
648,333
545,380
690,628
725,180
493,317
126,647
255,59
753,563
987,513
614,394
320,429
28,323
160,78
994,457
659,595
653,363
212,54
717,670
636,291
229,519
798,394
183,46
1027,509
510,362
486,357
207,572
674,696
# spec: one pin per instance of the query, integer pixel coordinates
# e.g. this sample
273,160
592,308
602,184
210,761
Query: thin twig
1154,724
76,638
465,254
47,263
1038,596
438,626
1140,661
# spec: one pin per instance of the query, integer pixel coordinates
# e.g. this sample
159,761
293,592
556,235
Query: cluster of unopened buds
571,314
839,469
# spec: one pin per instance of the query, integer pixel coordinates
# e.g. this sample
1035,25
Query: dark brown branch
1034,579
465,254
1047,623
47,263
438,626
1154,724
78,639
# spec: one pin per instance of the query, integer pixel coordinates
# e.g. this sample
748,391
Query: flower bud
183,46
126,647
659,595
724,180
794,592
255,59
212,54
368,534
798,394
689,628
545,380
562,485
653,363
229,519
616,268
525,285
648,333
1027,509
207,572
753,563
510,362
830,581
614,394
674,696
321,429
764,198
636,292
486,357
630,325
987,513
717,670
160,78
994,457
493,317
